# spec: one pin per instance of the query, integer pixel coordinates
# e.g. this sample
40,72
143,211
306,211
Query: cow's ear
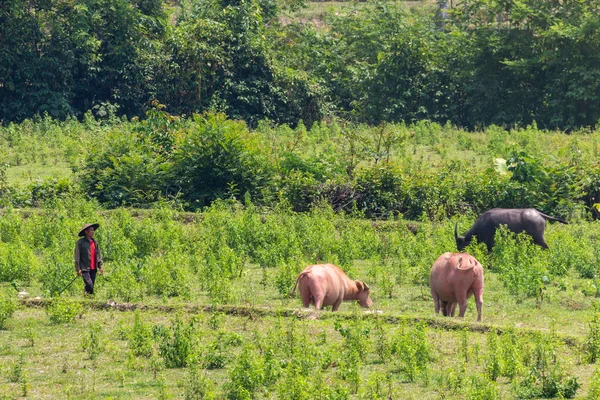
359,285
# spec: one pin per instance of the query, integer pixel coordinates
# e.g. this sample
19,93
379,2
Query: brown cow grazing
327,285
453,279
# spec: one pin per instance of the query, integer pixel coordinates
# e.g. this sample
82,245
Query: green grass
159,260
23,175
56,364
316,11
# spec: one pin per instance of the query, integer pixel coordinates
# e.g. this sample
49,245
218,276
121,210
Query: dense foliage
247,260
508,63
421,171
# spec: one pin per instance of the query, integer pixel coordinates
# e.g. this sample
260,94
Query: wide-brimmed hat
82,230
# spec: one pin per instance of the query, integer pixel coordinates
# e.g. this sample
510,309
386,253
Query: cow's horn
456,231
366,286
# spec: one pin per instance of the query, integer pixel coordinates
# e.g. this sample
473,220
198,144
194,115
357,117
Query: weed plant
141,342
175,344
411,352
246,376
92,341
592,340
546,377
62,310
8,305
197,386
594,391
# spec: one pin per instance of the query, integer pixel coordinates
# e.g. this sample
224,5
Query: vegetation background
507,63
224,146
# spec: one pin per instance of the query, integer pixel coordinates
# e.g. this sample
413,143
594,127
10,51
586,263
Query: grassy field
316,11
196,305
261,344
52,362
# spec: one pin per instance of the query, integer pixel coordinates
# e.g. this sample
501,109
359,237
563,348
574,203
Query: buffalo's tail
548,217
466,267
296,284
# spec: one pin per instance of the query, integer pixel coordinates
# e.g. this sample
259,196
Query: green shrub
411,349
481,388
141,342
522,264
59,272
125,281
510,353
592,340
293,383
8,305
167,276
175,343
17,372
246,377
92,341
17,262
492,362
216,354
218,159
594,392
198,386
547,377
62,310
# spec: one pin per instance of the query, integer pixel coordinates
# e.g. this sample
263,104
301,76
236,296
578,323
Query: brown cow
453,279
327,285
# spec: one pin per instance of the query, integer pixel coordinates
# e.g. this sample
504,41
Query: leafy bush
411,349
521,264
481,388
218,159
547,378
124,281
141,342
594,391
492,362
62,310
592,341
92,341
198,386
175,343
8,305
17,262
246,376
167,276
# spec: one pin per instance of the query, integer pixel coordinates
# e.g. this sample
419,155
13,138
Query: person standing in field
88,260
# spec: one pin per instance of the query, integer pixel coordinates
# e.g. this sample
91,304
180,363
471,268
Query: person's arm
99,258
77,266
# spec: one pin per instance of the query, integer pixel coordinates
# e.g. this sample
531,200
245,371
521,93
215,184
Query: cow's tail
548,217
302,275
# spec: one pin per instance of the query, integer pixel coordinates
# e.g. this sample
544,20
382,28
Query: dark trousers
89,278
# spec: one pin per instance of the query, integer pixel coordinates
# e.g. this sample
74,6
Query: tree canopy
501,62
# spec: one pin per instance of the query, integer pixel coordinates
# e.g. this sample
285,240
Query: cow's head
364,294
461,241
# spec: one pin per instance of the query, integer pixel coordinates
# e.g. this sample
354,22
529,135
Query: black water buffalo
518,220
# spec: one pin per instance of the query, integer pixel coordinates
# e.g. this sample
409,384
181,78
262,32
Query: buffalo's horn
456,231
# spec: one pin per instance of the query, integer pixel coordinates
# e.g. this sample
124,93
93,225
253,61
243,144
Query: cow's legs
436,301
319,302
305,296
445,308
462,304
451,309
479,303
336,305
